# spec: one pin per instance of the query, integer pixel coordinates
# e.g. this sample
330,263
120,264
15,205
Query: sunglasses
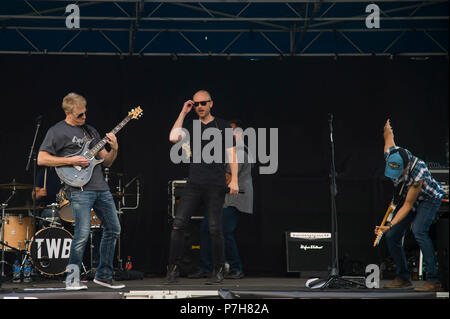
79,116
203,103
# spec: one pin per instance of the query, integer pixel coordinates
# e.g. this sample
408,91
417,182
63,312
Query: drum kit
47,243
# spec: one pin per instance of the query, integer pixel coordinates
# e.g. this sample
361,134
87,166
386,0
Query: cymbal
14,185
27,207
120,194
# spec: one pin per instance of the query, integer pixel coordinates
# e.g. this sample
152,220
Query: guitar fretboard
93,151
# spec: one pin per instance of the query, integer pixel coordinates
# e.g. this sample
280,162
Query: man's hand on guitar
112,141
79,161
383,229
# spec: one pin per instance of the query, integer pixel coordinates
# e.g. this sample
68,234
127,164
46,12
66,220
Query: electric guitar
396,203
78,176
392,209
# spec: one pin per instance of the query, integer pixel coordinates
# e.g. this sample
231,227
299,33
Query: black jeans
193,196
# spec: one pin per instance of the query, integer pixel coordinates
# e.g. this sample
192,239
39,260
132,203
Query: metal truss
221,28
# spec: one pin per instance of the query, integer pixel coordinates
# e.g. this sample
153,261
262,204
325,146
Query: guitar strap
86,131
402,188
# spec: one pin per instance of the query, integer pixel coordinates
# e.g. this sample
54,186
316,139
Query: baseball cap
394,166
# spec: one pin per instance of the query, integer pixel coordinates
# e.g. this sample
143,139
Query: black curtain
294,95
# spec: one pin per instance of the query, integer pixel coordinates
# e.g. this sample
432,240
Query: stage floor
245,288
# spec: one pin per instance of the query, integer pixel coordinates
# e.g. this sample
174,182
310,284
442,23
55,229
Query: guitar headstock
136,113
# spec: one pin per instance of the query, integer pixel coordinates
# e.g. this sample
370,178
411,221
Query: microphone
39,119
330,117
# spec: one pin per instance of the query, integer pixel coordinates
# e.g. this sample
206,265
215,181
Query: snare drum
50,250
18,231
65,211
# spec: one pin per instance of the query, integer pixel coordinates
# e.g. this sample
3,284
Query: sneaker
235,274
429,286
75,286
398,283
109,283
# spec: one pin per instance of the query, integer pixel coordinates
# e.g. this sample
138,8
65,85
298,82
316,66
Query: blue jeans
421,221
103,204
230,216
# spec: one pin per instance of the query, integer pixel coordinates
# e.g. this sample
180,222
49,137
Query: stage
245,288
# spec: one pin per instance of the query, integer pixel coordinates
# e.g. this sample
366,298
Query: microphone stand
334,280
33,154
333,192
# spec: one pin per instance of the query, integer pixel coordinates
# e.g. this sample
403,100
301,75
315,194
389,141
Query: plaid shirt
431,189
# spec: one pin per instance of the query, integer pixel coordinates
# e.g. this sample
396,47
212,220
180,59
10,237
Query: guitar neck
93,151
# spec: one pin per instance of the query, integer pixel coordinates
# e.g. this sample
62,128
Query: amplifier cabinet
306,251
441,175
175,191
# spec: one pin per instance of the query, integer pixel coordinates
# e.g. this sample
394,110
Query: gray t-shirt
63,139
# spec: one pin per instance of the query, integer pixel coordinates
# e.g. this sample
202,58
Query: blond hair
72,100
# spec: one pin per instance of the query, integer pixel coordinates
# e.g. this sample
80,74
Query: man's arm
411,197
388,134
110,156
176,133
47,159
233,185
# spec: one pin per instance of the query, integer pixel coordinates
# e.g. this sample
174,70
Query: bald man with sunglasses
206,185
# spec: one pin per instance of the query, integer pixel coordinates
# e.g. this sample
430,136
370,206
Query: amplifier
441,175
175,190
306,251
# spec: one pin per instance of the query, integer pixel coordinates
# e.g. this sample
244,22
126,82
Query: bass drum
50,250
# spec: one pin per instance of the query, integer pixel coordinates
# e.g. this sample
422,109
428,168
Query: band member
67,138
47,187
422,198
206,184
234,206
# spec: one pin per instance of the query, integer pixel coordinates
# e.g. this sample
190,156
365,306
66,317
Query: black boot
172,274
200,273
217,276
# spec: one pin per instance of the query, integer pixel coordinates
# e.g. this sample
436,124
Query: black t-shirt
63,139
52,184
208,173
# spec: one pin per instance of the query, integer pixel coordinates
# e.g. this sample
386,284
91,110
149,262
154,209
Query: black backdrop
293,95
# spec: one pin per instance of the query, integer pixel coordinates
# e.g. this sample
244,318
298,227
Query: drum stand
91,271
120,210
4,205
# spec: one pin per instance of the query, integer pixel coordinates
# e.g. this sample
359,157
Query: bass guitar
78,176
